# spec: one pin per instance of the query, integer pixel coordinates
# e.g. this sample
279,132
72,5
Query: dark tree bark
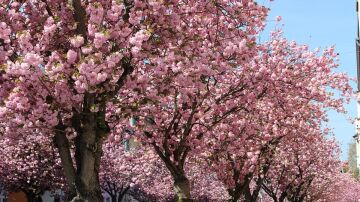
32,197
108,188
62,144
115,191
113,197
91,128
122,193
234,194
182,188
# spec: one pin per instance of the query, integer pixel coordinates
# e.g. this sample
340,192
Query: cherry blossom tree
297,96
31,165
181,104
175,113
112,181
62,63
205,183
140,169
127,171
300,165
341,187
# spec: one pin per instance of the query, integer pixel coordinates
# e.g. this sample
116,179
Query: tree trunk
122,193
275,199
248,195
62,144
84,184
182,189
235,197
256,191
91,129
181,183
31,197
88,153
235,193
120,197
282,197
110,191
113,197
241,190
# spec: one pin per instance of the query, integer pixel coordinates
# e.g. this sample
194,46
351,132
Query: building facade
357,122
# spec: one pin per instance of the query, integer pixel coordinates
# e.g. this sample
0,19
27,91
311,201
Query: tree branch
80,18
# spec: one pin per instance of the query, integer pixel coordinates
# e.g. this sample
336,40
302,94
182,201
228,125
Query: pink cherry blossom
71,56
208,102
77,41
278,18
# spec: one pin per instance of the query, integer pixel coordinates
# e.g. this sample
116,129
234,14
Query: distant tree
140,173
342,188
2,190
30,164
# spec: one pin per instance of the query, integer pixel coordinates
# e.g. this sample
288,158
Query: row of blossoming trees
217,115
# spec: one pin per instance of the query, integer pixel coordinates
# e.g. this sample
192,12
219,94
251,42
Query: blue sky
321,23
